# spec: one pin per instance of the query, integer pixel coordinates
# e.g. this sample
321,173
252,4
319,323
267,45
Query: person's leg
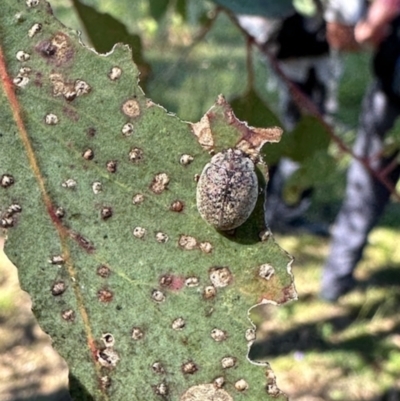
365,196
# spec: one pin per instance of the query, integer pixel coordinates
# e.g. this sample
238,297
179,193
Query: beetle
227,189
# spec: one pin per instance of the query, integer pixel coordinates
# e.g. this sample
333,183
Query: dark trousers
365,196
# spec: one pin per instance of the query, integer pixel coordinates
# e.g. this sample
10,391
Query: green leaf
105,31
316,170
158,8
308,137
251,108
181,8
143,299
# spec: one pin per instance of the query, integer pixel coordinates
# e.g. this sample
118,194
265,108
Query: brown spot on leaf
115,73
139,232
138,199
266,271
131,108
108,340
160,183
205,392
60,212
105,295
51,119
6,180
58,288
22,56
209,292
38,79
206,247
68,89
106,212
166,280
271,387
177,206
136,155
58,49
88,154
34,30
220,276
189,368
161,237
218,335
82,242
250,335
187,242
137,333
158,296
107,357
111,166
219,382
127,129
103,271
265,235
68,315
161,389
7,222
158,368
228,362
56,260
32,3
97,187
105,382
178,324
241,385
71,113
13,209
192,281
186,159
91,132
70,183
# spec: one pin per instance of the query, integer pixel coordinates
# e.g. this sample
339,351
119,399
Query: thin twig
249,64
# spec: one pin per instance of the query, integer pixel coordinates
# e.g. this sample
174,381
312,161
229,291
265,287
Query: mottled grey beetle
227,190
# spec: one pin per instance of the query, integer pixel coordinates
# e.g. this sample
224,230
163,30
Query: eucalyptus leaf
158,8
143,299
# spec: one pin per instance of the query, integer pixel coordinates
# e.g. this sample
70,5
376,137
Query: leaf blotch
83,242
57,49
189,368
172,282
103,271
131,108
68,315
105,295
91,132
6,180
111,166
160,183
205,392
58,288
177,206
106,213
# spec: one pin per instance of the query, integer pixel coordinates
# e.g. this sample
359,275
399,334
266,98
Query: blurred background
190,51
